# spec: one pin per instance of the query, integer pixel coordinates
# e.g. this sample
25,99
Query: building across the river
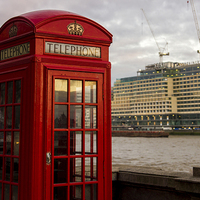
162,96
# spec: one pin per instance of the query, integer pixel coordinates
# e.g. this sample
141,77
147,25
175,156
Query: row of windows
187,90
186,86
138,82
186,94
186,82
144,96
188,110
185,102
137,86
159,117
183,98
142,111
186,106
186,78
142,89
140,108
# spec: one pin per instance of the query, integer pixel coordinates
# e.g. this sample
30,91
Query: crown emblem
13,31
75,29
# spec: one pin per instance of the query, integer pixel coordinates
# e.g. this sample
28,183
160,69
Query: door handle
48,158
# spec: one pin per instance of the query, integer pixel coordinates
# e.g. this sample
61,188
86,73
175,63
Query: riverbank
186,132
132,183
133,133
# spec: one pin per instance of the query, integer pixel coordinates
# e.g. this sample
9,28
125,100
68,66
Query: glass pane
60,170
17,117
90,142
60,143
7,169
2,93
90,117
60,90
8,143
1,167
76,143
2,109
9,117
75,116
14,192
76,192
91,192
90,92
17,91
16,143
60,193
15,169
75,169
10,92
90,169
76,91
1,142
6,191
60,116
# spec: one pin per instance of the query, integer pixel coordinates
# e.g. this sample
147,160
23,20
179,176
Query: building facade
161,95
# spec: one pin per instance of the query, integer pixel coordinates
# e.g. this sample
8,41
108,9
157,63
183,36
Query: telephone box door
74,157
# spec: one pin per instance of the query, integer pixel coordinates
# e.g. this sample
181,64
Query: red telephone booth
55,112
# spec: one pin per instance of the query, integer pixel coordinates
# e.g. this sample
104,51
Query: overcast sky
133,45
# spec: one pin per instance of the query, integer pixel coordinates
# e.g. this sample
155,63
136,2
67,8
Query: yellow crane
161,50
195,21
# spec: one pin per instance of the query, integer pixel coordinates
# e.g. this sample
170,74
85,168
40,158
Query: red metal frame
37,70
78,76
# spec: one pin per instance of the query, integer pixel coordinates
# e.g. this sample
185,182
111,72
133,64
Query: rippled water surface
175,153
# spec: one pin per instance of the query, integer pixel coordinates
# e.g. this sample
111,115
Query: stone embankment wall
139,183
140,134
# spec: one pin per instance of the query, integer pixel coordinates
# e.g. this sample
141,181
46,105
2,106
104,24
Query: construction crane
195,21
161,50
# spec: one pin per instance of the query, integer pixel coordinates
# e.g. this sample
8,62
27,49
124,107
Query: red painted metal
37,71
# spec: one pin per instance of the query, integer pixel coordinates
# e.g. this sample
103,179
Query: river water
175,153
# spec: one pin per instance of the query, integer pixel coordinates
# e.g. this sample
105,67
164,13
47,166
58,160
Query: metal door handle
48,158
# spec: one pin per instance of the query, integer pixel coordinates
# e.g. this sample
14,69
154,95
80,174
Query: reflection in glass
75,116
75,169
91,191
60,170
6,191
8,143
2,109
16,143
14,192
15,169
75,192
17,91
60,193
90,117
10,92
90,92
90,142
2,93
9,117
76,91
1,168
17,117
60,143
76,143
60,90
90,169
60,116
1,142
7,169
